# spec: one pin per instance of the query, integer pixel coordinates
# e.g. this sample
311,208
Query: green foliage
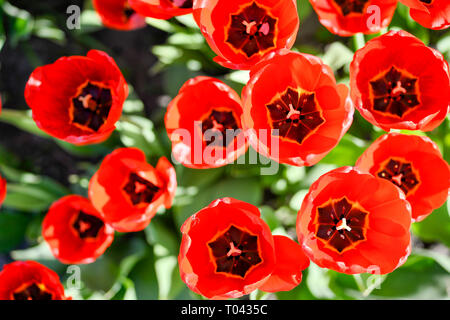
13,226
436,227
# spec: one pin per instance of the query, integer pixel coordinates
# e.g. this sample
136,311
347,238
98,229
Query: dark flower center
87,226
341,224
394,92
90,108
427,1
32,292
140,190
128,11
219,128
235,252
251,30
183,4
351,6
400,173
295,115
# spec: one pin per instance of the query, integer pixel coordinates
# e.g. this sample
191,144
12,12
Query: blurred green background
156,61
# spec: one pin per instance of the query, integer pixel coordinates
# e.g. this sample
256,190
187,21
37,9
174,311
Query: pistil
87,102
398,179
343,225
233,252
398,90
217,126
250,27
139,187
293,114
84,226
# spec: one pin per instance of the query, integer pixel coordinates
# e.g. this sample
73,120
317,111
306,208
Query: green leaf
294,174
128,253
40,253
43,183
83,151
304,9
34,229
244,189
175,76
443,45
163,25
435,227
144,277
28,198
318,282
315,172
200,178
346,152
22,120
90,21
20,23
138,132
124,290
441,258
337,56
420,278
240,76
100,275
13,227
297,200
169,281
358,286
46,29
158,233
188,21
167,54
185,40
268,215
301,292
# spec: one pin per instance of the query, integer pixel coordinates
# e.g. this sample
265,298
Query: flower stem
358,41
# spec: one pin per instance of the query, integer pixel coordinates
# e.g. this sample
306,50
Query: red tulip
162,9
118,14
294,112
209,135
391,88
415,165
29,280
241,32
353,222
77,99
348,17
228,251
291,261
432,14
2,190
75,231
128,191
